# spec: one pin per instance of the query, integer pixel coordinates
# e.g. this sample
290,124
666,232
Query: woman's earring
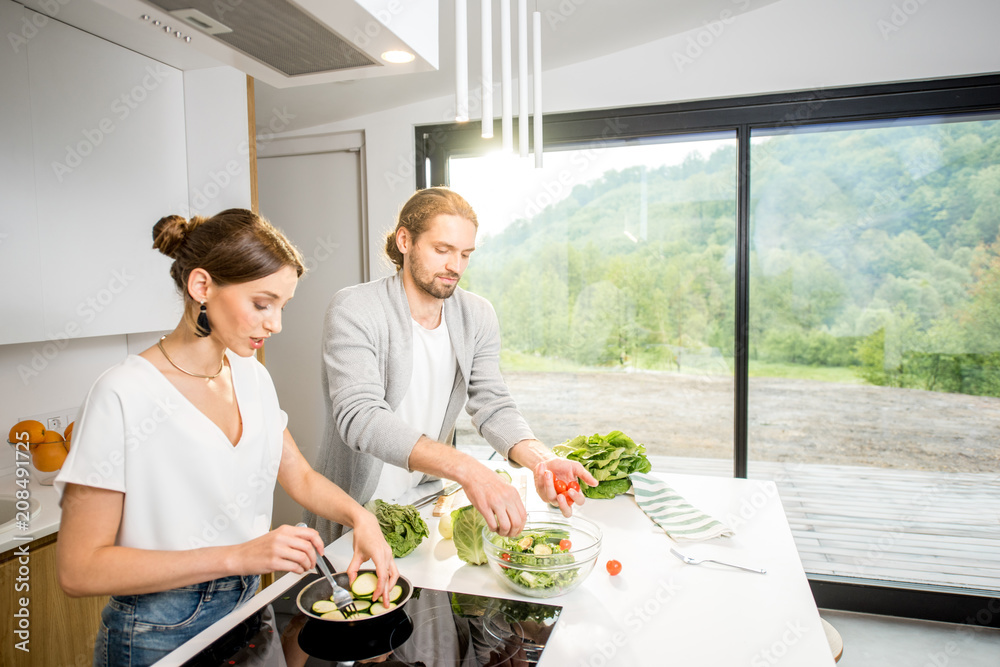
204,328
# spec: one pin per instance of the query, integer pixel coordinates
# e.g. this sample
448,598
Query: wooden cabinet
99,148
62,629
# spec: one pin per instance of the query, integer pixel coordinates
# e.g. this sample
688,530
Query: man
403,355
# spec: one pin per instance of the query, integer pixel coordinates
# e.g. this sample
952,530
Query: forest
875,257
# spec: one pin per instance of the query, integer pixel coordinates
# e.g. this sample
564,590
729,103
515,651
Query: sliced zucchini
364,585
379,608
335,615
504,474
362,605
359,615
542,550
525,542
323,606
395,593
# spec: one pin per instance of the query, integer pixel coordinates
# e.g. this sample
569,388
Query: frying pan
320,590
356,639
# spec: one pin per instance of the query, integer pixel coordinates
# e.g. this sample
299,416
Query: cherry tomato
505,556
614,567
565,545
575,485
569,499
560,487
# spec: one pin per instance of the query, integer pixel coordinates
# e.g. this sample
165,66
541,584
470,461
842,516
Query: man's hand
494,498
566,471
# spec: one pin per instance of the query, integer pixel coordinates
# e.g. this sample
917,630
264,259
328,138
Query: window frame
436,143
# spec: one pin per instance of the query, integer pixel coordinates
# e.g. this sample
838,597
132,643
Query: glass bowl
43,478
527,567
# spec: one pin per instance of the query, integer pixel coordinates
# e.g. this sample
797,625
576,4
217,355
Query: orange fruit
27,431
69,433
50,437
48,456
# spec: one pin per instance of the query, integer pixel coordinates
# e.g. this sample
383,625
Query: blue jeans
141,629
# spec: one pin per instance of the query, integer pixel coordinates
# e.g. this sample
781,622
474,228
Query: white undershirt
426,400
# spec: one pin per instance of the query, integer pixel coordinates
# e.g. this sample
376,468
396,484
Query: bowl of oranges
47,448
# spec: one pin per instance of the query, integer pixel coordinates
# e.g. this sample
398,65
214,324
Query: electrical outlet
54,420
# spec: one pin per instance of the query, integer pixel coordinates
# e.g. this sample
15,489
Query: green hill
871,248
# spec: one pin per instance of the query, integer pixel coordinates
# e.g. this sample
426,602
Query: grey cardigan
367,354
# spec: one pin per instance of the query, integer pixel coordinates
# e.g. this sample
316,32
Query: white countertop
44,522
658,606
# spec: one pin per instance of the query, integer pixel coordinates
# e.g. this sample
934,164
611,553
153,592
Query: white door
317,201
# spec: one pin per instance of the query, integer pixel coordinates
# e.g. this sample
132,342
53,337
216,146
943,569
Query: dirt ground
790,420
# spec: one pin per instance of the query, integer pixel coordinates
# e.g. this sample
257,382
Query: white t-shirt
185,484
426,400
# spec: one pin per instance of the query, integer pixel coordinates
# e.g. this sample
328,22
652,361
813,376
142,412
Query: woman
166,493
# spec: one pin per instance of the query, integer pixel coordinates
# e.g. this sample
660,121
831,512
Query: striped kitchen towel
680,520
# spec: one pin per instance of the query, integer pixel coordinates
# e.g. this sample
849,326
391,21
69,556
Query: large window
611,271
803,287
875,343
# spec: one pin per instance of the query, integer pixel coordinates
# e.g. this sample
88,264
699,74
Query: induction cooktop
437,629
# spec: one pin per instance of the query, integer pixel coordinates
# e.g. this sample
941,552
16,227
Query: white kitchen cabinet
109,160
19,244
94,153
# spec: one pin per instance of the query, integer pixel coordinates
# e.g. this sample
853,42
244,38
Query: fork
341,596
690,560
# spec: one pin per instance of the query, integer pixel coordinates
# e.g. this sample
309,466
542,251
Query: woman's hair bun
169,234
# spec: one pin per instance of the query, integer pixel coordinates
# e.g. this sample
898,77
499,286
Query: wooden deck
875,523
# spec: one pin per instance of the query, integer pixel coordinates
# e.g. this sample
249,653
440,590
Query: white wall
787,45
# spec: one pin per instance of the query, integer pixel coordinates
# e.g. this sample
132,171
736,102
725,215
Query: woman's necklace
222,363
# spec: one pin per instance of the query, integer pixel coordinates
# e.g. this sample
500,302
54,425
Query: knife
454,487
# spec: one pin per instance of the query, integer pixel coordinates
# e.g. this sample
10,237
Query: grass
839,374
512,360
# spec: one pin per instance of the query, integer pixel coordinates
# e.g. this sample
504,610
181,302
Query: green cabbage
401,525
467,532
609,458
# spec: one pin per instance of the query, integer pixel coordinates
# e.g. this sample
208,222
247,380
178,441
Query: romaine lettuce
401,525
610,459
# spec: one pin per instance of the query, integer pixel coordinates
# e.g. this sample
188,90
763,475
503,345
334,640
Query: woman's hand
284,549
370,544
566,471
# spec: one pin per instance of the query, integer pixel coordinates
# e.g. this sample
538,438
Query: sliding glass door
874,359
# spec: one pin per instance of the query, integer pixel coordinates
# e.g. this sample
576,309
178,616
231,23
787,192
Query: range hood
288,43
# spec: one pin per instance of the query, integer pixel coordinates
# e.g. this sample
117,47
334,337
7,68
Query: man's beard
436,290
